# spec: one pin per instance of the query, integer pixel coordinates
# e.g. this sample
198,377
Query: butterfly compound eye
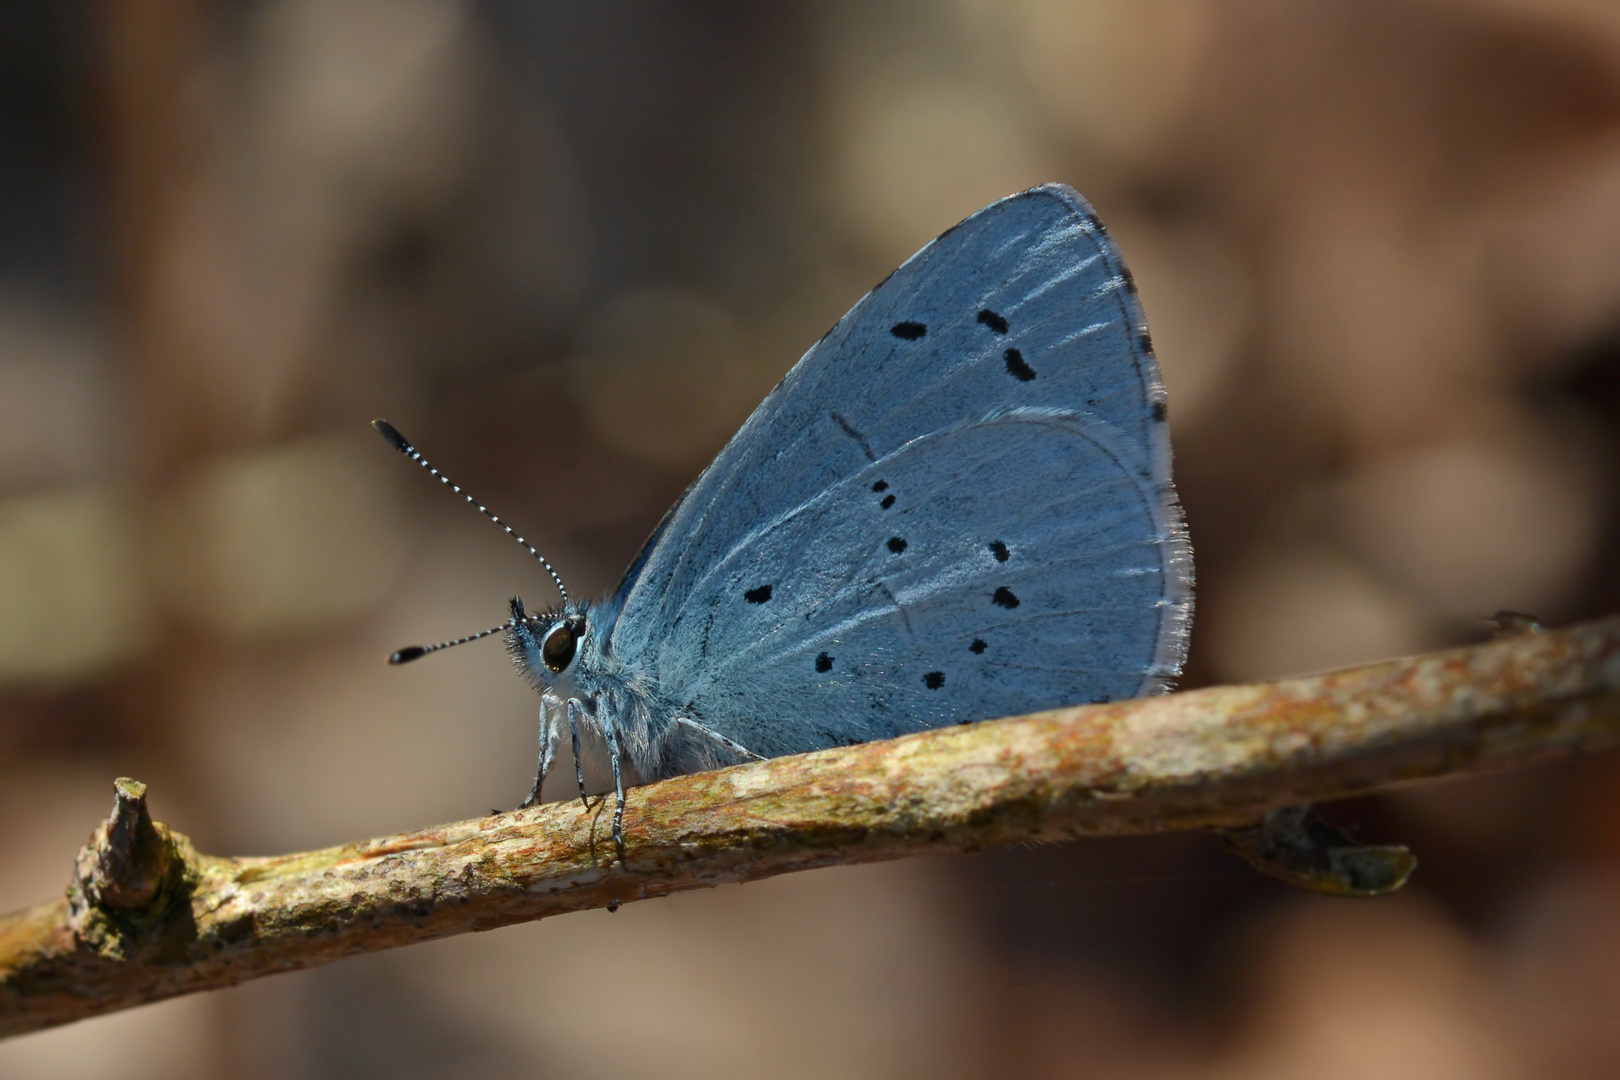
559,646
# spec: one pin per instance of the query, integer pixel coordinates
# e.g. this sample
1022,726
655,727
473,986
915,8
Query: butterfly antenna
403,445
416,652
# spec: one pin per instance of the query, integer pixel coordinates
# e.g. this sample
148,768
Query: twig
146,917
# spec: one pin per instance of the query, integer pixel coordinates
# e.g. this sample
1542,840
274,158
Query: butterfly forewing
956,506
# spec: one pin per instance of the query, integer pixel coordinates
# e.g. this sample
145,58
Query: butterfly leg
548,757
533,796
574,709
611,731
716,738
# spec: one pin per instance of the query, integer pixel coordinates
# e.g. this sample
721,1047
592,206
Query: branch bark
146,917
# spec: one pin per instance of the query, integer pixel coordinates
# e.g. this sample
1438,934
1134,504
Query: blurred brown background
567,247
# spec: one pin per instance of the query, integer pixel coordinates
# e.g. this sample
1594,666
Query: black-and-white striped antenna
403,445
416,652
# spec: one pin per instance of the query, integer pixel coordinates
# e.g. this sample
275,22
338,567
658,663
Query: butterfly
956,506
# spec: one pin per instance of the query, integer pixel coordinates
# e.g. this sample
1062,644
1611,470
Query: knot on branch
1295,845
126,860
123,877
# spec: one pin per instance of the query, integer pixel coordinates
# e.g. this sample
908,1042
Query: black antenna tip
396,440
405,656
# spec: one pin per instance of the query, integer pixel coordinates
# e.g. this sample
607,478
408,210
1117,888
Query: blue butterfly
957,506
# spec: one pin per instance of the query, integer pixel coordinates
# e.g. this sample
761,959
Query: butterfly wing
956,506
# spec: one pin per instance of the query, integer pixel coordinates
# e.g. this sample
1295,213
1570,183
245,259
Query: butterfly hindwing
956,506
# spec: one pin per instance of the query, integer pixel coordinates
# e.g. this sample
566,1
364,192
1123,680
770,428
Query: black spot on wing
993,321
1126,276
999,550
1144,339
1161,411
977,647
897,544
1003,597
759,595
934,680
908,331
824,663
888,501
1017,368
881,485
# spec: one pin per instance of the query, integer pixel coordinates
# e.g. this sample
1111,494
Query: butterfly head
546,646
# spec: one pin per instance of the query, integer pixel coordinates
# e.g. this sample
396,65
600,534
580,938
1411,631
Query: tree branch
147,918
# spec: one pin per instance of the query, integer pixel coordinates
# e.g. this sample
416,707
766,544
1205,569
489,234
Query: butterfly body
956,506
613,704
